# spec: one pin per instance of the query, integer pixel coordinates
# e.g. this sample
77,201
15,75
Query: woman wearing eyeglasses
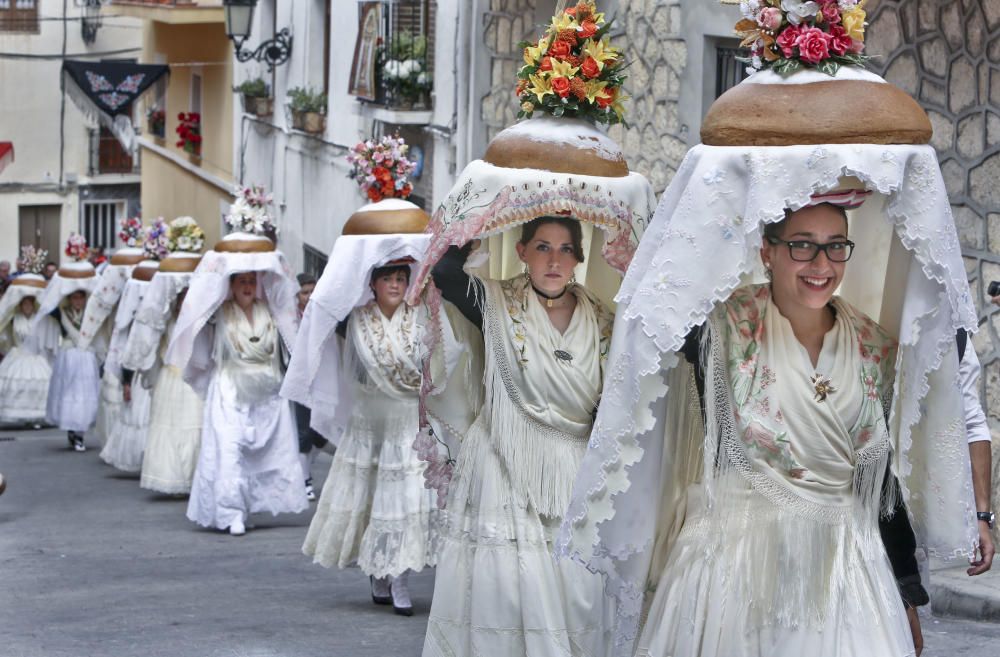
804,454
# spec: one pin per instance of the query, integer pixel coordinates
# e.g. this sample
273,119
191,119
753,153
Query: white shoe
310,493
400,591
237,528
79,446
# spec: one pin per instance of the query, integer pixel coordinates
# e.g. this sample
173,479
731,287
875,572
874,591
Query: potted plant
308,109
403,72
156,121
257,99
189,132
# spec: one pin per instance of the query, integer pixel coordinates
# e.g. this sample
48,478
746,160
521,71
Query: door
39,226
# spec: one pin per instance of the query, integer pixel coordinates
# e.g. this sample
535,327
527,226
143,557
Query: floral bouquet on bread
573,70
250,212
130,232
156,244
184,234
786,35
76,248
381,168
33,260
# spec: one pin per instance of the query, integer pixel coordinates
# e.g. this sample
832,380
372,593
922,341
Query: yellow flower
600,50
539,85
527,107
594,89
853,22
532,54
562,22
561,69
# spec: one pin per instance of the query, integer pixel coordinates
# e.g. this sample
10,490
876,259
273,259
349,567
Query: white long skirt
701,607
24,386
174,435
374,510
109,408
73,390
126,439
249,460
498,590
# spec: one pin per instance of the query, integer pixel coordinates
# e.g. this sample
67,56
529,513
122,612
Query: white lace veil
101,304
209,288
315,376
703,243
151,320
58,289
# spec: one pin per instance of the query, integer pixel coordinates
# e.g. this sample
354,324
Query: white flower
391,69
423,79
798,10
750,8
184,243
409,67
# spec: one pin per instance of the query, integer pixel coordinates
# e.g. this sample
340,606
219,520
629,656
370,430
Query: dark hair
388,270
305,279
572,225
774,229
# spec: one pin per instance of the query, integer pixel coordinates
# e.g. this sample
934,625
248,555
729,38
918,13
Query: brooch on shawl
823,387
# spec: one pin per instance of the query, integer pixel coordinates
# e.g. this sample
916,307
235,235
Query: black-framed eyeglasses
806,251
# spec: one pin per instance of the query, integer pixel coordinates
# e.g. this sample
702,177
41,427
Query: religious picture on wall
363,82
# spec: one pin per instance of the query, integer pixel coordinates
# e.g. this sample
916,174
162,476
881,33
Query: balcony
174,12
107,155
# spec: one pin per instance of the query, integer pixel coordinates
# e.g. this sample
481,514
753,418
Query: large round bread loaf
77,270
388,216
557,145
828,111
30,280
128,256
145,270
180,263
244,243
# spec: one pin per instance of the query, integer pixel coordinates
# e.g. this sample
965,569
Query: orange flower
590,67
546,64
587,29
569,36
561,86
374,195
560,49
578,88
606,98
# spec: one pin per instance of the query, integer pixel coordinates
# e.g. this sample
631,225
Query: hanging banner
6,154
105,92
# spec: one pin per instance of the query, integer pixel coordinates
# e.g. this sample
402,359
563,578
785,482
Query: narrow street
93,566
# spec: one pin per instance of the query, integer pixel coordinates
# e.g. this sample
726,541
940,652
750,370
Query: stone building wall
649,33
946,54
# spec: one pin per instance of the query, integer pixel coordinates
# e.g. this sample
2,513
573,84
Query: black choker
549,299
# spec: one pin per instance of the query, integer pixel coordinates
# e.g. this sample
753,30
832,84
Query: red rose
814,45
840,42
560,85
180,116
831,13
587,29
605,99
560,49
373,195
786,40
590,68
546,64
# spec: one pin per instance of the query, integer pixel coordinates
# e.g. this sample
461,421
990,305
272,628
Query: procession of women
728,422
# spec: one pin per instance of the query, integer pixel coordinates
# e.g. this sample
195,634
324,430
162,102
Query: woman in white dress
176,416
374,510
26,369
249,450
75,383
498,589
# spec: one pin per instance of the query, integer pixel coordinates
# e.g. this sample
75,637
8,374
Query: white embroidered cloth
101,304
907,272
58,289
151,319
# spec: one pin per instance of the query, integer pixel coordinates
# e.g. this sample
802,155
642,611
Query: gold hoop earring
572,279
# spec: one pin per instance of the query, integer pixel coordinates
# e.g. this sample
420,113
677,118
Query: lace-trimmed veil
703,242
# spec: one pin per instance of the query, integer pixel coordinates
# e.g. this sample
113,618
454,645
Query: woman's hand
127,392
918,636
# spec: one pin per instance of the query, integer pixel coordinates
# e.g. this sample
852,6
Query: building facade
68,175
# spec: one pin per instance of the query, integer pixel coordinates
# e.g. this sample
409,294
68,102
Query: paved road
93,566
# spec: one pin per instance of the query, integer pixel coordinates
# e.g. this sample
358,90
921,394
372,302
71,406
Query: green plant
256,87
304,99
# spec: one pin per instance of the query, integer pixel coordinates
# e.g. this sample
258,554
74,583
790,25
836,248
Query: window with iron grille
729,71
19,16
100,222
404,63
313,261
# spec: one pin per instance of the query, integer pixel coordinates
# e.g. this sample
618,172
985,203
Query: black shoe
403,611
379,599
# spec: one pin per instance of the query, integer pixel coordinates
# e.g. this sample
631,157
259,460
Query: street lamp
90,22
239,21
